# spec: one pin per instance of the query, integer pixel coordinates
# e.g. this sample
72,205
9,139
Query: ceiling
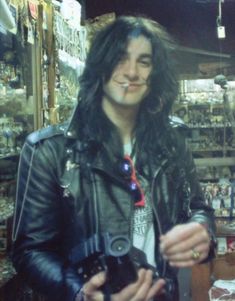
192,22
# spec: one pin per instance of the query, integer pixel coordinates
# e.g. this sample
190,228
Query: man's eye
145,63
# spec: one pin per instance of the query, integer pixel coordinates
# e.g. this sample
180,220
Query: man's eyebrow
146,55
141,55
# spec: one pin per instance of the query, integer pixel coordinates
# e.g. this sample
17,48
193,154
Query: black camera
115,255
112,256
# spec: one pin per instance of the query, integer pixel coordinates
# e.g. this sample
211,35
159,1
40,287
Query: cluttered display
16,110
220,195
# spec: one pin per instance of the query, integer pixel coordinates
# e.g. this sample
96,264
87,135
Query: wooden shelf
10,155
216,161
212,149
224,267
225,229
209,126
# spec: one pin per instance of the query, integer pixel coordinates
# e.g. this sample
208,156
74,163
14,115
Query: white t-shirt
142,223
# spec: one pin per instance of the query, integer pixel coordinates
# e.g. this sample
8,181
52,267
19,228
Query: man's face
129,82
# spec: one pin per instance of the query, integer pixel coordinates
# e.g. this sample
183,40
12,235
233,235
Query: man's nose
131,70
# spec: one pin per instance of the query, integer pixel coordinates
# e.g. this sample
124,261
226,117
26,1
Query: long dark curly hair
107,48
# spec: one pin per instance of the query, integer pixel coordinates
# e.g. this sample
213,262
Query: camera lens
119,246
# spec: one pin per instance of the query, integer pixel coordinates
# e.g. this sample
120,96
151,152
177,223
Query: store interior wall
193,24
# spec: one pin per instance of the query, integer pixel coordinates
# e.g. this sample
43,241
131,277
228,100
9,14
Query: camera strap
105,243
85,249
107,297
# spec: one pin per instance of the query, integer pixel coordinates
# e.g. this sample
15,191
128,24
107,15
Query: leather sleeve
38,226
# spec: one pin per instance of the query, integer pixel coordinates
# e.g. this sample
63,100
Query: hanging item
220,29
93,25
71,12
33,9
6,18
70,40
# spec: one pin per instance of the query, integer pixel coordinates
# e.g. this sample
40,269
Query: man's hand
185,245
142,290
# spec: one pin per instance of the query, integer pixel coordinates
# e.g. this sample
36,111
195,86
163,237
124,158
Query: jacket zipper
154,207
95,203
151,200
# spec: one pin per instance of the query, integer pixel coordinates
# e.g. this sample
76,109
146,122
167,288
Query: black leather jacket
69,189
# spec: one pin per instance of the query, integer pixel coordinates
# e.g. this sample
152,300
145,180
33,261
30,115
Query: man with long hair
108,205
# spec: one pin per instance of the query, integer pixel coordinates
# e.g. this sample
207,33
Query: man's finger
129,291
144,285
94,283
182,233
156,289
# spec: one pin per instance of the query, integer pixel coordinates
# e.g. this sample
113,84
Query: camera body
113,256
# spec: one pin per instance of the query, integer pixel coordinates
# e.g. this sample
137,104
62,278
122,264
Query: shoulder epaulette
45,133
